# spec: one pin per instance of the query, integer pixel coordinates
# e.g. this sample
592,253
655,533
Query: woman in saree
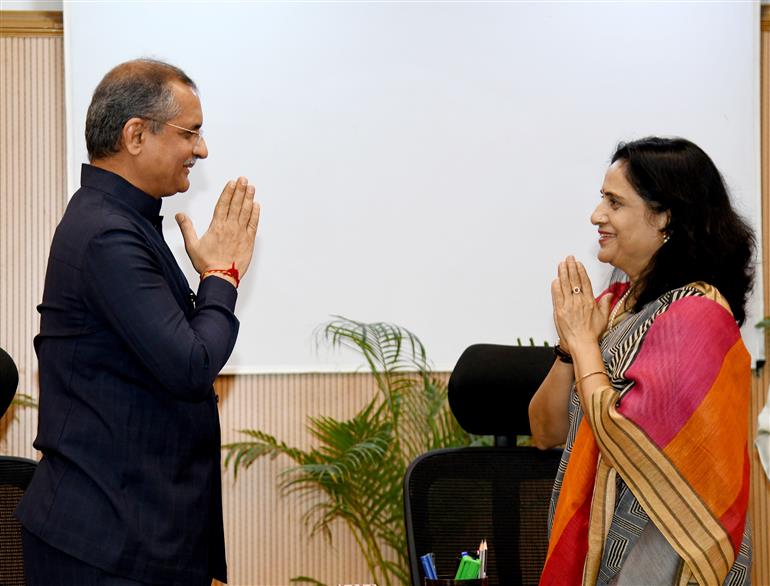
649,391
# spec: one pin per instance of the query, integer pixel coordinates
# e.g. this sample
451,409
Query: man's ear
134,135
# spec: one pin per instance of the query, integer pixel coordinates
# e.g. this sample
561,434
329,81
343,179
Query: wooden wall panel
261,522
759,496
760,485
32,199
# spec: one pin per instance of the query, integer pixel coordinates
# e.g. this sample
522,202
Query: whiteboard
426,163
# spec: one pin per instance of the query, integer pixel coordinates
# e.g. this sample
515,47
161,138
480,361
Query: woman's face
629,231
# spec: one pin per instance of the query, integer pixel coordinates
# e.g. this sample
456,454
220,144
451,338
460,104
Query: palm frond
306,580
386,347
355,473
244,454
24,400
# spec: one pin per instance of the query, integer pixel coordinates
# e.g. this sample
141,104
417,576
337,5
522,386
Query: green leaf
244,454
24,400
306,580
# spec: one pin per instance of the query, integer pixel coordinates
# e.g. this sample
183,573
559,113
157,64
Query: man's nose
201,149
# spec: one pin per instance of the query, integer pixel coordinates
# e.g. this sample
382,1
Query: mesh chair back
15,475
454,498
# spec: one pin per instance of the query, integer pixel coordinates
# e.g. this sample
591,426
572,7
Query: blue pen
428,566
433,566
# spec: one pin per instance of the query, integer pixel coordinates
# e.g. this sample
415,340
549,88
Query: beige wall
259,521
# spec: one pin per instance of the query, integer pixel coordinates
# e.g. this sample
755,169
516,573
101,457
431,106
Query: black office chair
455,497
15,475
9,380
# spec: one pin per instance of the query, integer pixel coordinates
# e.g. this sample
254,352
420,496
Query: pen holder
453,582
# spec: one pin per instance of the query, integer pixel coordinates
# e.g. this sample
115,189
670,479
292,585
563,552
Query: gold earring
666,237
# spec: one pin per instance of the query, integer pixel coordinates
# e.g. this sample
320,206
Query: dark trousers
47,566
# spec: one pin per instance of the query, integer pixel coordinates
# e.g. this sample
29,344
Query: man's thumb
187,229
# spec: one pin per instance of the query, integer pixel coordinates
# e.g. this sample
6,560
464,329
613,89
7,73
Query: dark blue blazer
129,480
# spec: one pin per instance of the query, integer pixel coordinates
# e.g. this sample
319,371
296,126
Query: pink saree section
678,438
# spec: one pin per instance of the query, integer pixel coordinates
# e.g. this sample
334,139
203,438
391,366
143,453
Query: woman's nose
598,216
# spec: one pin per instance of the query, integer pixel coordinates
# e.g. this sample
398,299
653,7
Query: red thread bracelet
231,272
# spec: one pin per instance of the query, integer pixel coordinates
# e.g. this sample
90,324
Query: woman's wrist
588,375
582,345
562,354
588,361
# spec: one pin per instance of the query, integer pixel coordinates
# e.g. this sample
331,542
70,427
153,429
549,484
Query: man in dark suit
128,489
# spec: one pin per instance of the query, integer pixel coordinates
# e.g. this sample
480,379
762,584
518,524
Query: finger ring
576,290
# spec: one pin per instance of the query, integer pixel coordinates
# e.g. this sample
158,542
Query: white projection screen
426,163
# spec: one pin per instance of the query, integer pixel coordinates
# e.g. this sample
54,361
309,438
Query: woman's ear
134,134
663,220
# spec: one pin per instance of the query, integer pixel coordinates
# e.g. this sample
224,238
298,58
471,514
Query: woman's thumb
605,303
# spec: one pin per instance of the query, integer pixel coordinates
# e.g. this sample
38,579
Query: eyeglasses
198,133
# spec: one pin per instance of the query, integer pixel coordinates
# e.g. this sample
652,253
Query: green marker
468,569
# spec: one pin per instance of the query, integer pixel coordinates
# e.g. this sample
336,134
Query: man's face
168,156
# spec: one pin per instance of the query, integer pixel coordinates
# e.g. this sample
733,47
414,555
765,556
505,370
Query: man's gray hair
135,89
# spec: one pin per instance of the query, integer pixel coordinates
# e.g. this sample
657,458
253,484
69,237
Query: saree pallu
670,435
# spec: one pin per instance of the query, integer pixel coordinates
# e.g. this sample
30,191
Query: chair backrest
9,380
491,385
453,498
15,475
